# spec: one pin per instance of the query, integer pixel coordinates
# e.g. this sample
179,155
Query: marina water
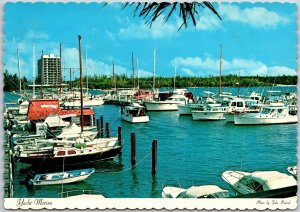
189,153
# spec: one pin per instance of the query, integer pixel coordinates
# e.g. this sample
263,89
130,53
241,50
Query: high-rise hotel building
49,69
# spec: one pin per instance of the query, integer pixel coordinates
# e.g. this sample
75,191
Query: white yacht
207,98
134,113
170,104
274,113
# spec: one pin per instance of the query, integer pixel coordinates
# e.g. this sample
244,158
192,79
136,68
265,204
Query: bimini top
206,190
273,179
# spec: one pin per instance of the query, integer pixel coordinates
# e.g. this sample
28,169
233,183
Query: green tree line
11,81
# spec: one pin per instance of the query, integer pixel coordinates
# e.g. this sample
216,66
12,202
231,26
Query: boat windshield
266,110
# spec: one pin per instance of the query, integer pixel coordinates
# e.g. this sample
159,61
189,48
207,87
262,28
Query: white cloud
246,67
31,34
159,29
258,17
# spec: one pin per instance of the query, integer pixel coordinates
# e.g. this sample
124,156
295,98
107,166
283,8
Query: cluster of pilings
100,129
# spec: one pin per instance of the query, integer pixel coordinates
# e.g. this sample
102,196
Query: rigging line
125,169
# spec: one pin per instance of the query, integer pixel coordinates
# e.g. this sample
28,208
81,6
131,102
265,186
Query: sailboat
74,153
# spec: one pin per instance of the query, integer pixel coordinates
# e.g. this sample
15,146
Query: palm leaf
187,10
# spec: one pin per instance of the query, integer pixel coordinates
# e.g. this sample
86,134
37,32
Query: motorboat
274,113
293,171
209,113
64,177
242,107
259,181
170,104
206,191
134,113
207,98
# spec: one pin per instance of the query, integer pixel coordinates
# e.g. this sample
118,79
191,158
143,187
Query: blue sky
257,39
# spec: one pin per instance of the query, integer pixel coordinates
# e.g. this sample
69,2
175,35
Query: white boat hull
161,106
255,120
208,115
86,103
63,181
138,119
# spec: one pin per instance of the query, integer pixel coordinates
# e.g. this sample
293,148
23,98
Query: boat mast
174,77
33,71
42,77
114,83
137,69
86,73
81,97
19,72
60,66
154,55
133,81
220,89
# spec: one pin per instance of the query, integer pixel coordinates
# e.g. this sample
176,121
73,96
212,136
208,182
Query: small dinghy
61,177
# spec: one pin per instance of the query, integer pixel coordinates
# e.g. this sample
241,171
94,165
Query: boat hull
49,160
161,106
63,181
139,119
246,120
207,115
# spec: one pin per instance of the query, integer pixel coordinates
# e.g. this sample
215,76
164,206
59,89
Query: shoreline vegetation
11,81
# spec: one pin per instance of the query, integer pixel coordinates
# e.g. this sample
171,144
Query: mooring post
154,156
98,128
120,138
101,127
107,130
133,149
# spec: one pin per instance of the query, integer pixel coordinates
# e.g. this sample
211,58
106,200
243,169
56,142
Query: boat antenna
81,97
220,88
20,84
238,86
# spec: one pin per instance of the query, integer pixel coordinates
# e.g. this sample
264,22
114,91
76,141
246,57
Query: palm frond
187,10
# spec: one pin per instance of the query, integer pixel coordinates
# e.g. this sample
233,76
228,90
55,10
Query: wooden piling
133,149
107,130
98,128
154,156
101,127
120,138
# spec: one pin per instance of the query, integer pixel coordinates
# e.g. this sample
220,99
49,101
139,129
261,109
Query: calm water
189,153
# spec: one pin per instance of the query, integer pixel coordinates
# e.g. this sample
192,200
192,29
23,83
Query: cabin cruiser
170,104
207,98
274,113
247,182
134,113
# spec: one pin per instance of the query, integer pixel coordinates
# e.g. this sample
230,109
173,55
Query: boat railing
75,192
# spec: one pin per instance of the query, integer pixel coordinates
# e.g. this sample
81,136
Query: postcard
150,105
